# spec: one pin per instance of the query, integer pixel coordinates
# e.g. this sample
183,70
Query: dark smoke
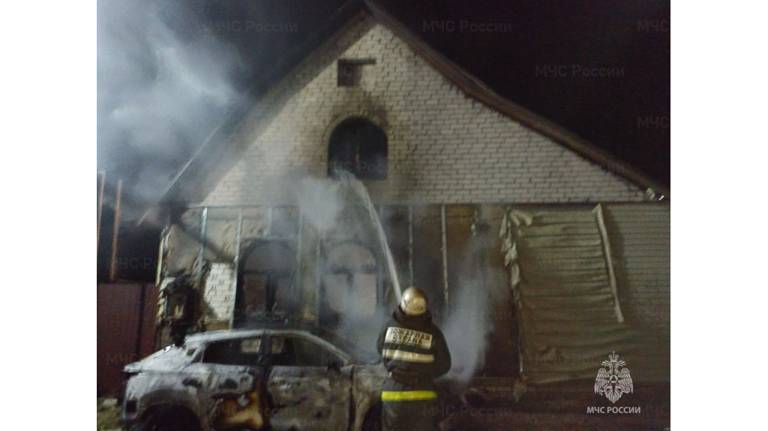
164,83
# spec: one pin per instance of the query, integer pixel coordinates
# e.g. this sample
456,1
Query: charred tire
168,419
372,420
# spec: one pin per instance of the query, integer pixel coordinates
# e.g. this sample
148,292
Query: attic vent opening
349,72
360,147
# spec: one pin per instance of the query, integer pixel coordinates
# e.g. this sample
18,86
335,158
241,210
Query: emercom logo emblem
613,379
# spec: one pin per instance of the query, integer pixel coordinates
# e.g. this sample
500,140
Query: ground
108,415
495,418
504,420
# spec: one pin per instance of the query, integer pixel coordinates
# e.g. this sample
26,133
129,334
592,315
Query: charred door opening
265,279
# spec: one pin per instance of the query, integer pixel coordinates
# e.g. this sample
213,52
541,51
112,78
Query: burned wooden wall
450,251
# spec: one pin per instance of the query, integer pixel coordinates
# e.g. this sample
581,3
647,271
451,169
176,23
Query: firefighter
415,353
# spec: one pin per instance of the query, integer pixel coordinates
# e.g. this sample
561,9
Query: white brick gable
444,147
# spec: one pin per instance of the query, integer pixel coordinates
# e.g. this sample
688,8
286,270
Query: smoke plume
470,319
320,202
465,331
164,82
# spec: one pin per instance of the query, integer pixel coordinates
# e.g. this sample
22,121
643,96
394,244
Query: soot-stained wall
444,147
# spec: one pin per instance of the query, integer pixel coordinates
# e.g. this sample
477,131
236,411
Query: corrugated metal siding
639,235
640,240
565,299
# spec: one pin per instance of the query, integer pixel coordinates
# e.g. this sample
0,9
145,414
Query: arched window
359,147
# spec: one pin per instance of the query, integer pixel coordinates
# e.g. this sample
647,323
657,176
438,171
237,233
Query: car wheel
170,419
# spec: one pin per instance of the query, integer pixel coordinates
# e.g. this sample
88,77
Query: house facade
510,223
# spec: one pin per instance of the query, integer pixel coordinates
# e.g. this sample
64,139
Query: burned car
279,379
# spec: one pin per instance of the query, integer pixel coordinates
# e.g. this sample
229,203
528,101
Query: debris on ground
108,415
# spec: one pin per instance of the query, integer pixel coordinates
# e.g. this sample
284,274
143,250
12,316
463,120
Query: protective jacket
414,352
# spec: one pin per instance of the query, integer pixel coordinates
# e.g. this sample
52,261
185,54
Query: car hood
172,358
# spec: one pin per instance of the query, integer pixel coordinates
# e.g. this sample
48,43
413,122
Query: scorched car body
302,380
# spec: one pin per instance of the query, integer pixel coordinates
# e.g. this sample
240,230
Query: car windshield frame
316,339
340,353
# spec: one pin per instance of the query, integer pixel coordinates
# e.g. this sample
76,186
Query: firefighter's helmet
413,302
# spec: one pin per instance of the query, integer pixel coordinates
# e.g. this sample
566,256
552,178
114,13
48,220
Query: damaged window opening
235,352
359,147
290,351
265,278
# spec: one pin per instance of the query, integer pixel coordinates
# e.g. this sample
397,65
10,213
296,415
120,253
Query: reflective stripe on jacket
413,349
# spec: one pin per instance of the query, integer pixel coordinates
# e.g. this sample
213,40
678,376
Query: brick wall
219,294
443,146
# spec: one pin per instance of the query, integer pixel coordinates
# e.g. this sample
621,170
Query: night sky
598,68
